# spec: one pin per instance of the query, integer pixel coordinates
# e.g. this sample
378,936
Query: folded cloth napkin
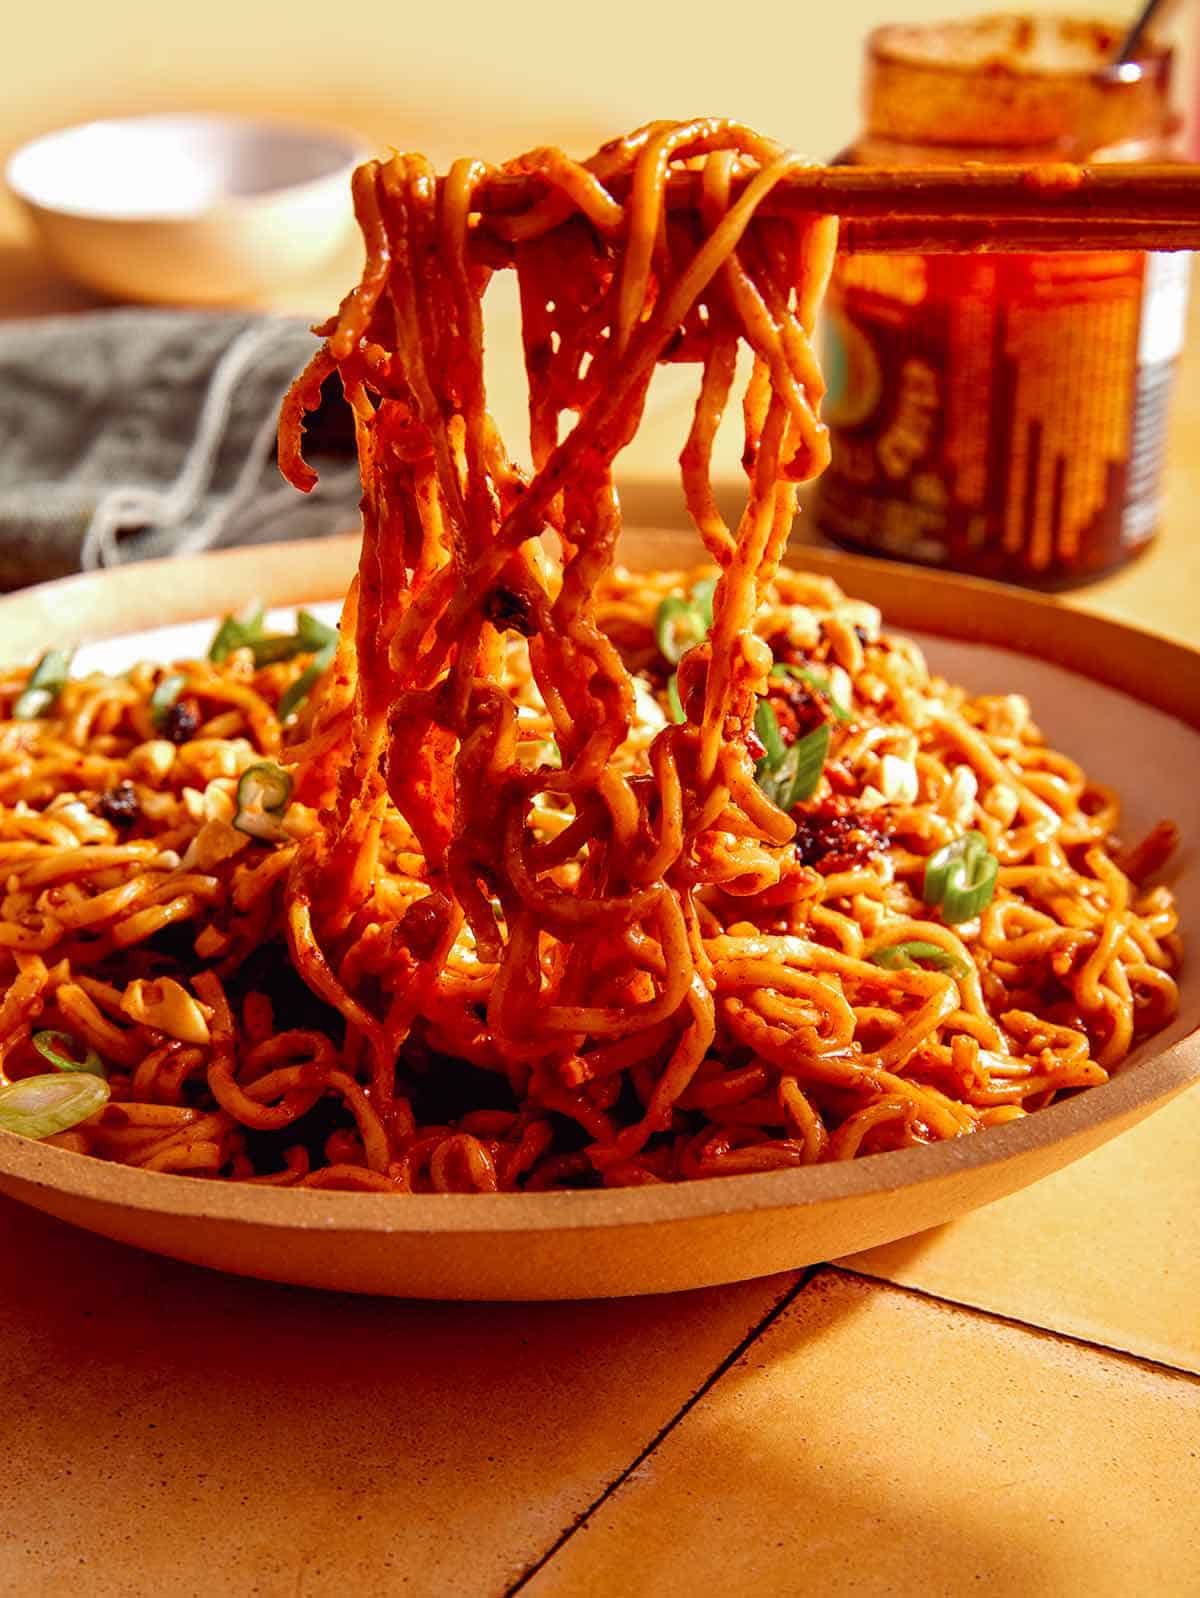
129,434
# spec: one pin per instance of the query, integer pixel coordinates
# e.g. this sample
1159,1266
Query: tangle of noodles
521,928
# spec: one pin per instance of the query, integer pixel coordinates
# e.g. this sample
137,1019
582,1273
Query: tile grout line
807,1275
740,1348
1075,1338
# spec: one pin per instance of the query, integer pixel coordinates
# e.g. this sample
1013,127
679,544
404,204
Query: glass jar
1003,414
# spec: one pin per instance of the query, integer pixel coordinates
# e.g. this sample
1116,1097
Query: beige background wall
456,73
453,77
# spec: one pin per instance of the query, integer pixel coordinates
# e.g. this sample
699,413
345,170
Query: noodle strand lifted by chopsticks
605,294
551,926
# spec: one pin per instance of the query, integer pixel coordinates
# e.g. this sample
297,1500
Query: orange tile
170,1431
1104,1250
875,1442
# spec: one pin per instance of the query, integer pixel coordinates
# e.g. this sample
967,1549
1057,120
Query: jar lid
1015,80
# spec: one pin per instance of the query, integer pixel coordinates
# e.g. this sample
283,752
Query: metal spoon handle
1131,41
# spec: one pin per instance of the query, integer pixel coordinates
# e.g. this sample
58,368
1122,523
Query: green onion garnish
677,626
50,1046
311,637
274,647
702,599
766,725
292,698
236,632
788,775
263,794
45,683
313,633
164,696
39,1106
674,703
910,955
960,879
821,684
681,622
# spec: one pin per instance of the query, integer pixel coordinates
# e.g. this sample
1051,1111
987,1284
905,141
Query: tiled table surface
1008,1405
1022,1416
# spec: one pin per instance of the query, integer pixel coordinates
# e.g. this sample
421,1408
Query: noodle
532,916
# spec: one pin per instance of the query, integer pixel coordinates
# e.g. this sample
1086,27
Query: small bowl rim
351,149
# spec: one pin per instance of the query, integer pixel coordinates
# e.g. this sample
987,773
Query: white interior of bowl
142,168
1150,758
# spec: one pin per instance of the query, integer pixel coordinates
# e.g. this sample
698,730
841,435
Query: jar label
1002,414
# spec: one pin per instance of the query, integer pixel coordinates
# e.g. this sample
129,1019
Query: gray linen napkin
129,434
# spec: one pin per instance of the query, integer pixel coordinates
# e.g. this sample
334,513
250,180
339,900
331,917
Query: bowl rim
346,151
1139,1087
993,613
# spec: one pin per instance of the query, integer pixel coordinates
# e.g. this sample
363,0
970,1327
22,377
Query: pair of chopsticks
1054,206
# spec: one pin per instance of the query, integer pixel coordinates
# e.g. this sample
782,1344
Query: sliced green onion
702,599
674,703
913,953
310,637
796,776
960,879
822,684
681,622
39,1106
236,632
292,698
274,647
45,683
164,696
264,792
678,624
50,1046
313,633
766,725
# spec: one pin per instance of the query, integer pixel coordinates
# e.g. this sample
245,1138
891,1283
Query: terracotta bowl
645,1240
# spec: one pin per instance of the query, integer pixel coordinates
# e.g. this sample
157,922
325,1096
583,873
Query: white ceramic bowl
187,209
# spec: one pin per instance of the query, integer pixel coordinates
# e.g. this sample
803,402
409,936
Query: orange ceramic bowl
1125,703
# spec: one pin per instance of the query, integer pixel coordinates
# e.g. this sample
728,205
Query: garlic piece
168,1007
958,802
220,803
1006,715
803,627
193,803
216,841
857,613
841,689
646,708
152,760
898,780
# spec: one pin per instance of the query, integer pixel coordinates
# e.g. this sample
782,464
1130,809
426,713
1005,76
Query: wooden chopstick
1055,206
1001,208
1007,235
